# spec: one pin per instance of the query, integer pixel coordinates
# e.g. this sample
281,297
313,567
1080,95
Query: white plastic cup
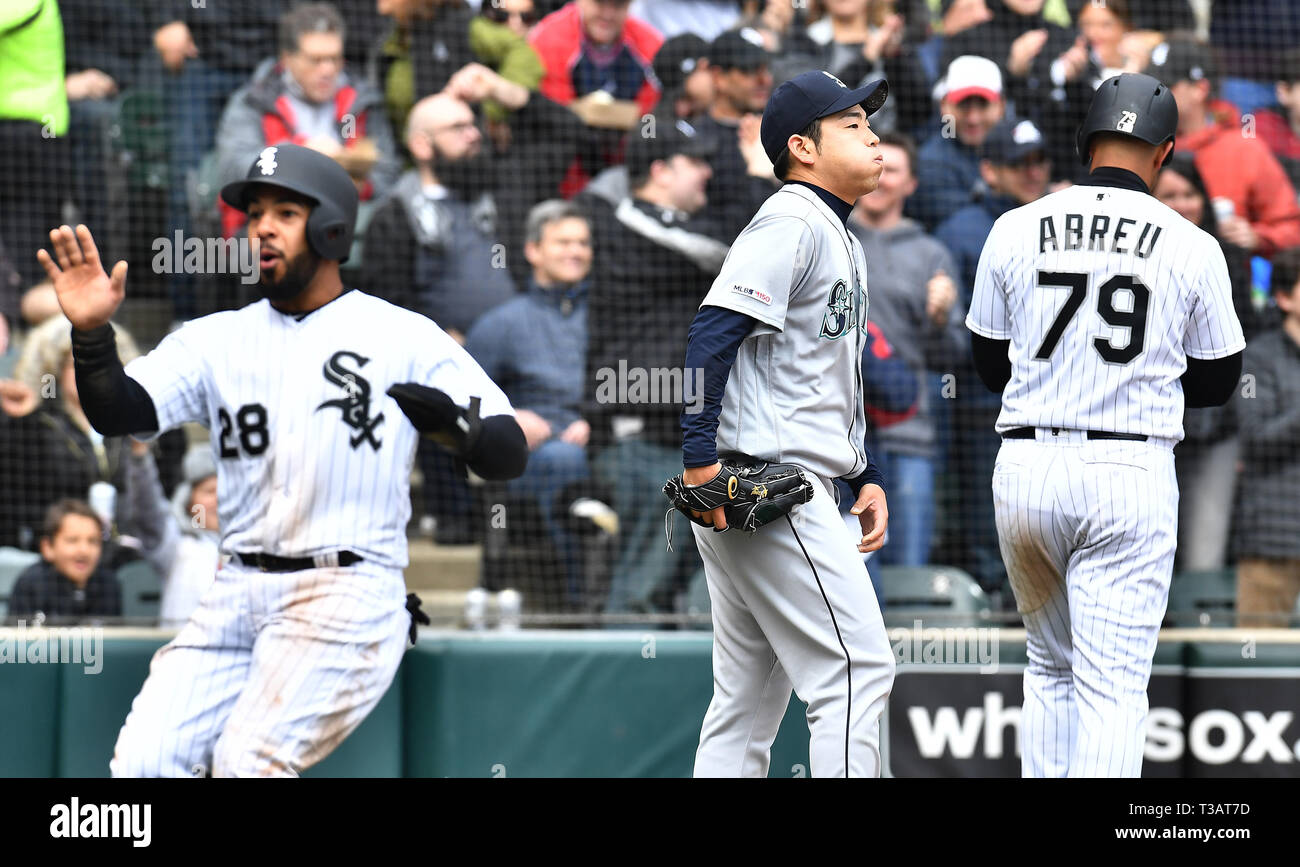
103,500
1223,208
476,604
510,604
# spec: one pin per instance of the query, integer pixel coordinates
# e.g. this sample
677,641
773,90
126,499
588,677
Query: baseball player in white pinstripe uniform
315,396
1098,312
779,339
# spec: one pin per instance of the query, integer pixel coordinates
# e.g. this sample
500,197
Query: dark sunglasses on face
495,13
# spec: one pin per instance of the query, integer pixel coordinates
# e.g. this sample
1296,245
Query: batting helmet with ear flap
311,174
1131,104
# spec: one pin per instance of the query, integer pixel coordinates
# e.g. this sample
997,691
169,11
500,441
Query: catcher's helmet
314,175
1131,104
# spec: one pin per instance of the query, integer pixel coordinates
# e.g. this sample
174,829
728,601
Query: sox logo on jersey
277,666
355,405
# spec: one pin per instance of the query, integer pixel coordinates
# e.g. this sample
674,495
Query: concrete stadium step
442,567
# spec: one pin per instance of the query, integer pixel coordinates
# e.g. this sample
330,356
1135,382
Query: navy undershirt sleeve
711,346
870,476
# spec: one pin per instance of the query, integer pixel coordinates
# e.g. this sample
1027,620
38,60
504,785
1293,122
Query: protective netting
556,186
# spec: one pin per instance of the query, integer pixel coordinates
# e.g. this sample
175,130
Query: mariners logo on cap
834,79
1126,121
266,161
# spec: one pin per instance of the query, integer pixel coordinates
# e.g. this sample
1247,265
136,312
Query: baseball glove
437,417
751,494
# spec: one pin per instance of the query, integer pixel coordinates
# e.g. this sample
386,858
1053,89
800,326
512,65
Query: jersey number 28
1134,320
253,435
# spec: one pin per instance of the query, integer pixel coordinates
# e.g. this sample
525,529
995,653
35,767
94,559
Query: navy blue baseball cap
1011,141
808,96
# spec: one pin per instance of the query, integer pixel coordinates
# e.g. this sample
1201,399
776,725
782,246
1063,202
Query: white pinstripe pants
1088,530
793,608
272,672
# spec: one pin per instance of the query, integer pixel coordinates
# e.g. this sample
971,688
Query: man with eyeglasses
306,97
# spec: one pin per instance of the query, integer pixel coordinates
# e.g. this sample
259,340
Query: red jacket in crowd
557,39
1241,168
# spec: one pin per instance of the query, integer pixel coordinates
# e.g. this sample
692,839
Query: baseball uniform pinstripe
792,604
275,669
1104,293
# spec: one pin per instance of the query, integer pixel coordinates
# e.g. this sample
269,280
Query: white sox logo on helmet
266,161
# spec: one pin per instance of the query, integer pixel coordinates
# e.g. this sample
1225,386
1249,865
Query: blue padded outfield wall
630,704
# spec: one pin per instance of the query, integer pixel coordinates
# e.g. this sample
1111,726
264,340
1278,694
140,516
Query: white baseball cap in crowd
970,75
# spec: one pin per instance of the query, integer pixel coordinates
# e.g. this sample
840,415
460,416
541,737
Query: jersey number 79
1134,320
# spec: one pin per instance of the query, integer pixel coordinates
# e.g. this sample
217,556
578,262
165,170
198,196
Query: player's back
1103,292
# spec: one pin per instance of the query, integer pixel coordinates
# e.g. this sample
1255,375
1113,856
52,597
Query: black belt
272,563
1027,433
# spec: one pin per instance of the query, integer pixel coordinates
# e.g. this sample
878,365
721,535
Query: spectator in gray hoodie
180,537
1268,543
914,302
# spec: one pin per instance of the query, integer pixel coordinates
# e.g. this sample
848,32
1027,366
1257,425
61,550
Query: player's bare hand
1024,50
88,296
174,44
537,430
1237,230
17,399
702,476
873,517
578,433
940,295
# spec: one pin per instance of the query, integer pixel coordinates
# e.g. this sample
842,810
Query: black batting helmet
312,174
1131,104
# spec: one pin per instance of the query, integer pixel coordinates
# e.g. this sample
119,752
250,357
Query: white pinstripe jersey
312,455
1104,293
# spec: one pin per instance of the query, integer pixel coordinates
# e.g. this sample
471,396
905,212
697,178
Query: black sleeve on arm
114,403
711,346
501,451
1210,383
992,362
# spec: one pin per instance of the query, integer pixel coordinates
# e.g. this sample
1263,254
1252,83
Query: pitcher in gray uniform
778,339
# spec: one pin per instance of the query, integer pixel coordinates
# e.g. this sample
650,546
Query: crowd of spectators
556,184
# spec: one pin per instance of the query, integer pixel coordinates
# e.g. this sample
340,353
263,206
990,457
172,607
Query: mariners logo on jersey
841,313
355,404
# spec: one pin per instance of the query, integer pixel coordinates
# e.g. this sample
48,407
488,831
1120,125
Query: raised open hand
89,296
